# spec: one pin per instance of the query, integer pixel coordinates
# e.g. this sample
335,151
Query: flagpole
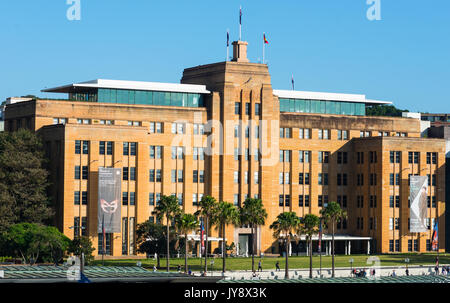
228,45
264,47
103,242
320,250
240,23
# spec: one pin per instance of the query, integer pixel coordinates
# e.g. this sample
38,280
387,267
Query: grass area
295,262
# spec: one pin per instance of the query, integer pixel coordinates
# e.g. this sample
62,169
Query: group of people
361,272
445,270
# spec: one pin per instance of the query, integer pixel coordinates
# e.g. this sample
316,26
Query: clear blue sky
328,45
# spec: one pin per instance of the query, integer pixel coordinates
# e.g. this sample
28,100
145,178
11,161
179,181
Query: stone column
349,247
368,247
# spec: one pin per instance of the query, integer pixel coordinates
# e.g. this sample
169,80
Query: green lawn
294,262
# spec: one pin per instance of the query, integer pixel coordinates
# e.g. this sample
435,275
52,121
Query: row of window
246,180
237,108
105,147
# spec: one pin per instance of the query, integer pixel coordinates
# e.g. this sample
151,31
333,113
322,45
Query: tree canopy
385,110
23,180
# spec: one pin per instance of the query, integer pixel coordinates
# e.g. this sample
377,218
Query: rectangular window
132,198
133,173
237,108
151,199
124,198
151,175
76,198
126,148
247,108
180,175
202,176
125,173
102,147
77,172
174,176
77,147
158,175
85,172
133,146
84,198
307,200
85,147
195,176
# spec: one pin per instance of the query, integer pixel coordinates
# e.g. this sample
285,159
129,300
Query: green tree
23,180
81,245
226,213
185,224
151,239
332,214
207,210
285,227
167,208
55,244
384,110
310,227
25,240
254,214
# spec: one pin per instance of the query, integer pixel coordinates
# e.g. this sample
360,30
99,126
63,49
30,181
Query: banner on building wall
109,199
418,189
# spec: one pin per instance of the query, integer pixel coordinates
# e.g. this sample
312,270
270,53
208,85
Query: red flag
265,40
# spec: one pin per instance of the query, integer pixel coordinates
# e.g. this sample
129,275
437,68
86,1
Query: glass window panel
184,99
131,94
307,106
195,100
167,97
298,104
292,106
177,99
140,97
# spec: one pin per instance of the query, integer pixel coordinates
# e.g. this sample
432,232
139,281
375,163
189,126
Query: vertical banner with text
109,194
418,189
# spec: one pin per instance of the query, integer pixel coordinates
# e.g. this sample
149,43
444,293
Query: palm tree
208,206
332,214
168,208
284,227
254,214
310,227
226,213
185,224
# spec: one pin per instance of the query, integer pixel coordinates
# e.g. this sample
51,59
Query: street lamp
406,262
351,264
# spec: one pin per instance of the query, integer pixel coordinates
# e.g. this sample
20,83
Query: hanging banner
109,194
418,189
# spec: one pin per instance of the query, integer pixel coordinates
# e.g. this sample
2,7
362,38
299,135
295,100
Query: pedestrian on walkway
393,274
407,272
259,266
277,265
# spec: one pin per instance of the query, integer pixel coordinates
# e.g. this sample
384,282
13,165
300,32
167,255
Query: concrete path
326,272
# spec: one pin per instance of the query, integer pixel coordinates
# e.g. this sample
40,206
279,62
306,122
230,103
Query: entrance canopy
210,239
328,237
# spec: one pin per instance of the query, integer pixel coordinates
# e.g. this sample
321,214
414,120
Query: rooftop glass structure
322,107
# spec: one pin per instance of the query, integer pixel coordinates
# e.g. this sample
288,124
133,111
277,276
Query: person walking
393,274
259,266
277,266
407,272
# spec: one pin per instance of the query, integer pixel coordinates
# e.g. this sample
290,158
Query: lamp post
406,262
351,264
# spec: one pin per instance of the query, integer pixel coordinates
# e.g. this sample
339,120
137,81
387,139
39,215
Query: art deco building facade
225,132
